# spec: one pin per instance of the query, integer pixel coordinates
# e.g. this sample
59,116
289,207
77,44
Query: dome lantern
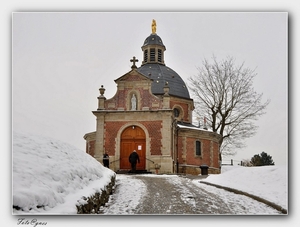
153,48
153,66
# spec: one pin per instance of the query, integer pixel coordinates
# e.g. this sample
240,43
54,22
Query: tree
224,95
256,160
262,160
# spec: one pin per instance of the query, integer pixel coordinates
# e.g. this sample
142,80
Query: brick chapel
151,112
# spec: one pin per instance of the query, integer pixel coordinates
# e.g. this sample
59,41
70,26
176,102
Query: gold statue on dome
153,26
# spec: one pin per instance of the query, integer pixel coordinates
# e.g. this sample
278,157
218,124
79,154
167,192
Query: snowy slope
50,176
267,182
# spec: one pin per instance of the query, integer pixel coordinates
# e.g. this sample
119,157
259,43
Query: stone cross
134,60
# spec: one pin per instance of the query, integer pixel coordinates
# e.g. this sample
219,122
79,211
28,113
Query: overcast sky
60,60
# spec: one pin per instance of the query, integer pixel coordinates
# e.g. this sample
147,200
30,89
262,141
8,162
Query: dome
153,39
160,74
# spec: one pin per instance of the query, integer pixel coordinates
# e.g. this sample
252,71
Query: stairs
126,171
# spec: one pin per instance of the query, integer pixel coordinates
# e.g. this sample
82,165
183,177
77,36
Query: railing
150,160
231,162
115,161
120,159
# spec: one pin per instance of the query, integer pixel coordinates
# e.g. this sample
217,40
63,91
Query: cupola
153,48
153,66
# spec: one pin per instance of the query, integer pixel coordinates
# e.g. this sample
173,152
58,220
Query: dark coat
134,157
106,160
105,157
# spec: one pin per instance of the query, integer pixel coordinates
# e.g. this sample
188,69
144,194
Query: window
152,54
198,148
176,112
159,55
145,55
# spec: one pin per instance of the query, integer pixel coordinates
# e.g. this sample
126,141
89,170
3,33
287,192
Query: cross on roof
134,60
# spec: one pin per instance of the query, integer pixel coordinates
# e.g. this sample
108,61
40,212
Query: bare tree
224,95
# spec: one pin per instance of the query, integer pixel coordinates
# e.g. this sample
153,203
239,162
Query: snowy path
165,194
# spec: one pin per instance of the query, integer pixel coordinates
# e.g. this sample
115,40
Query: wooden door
133,138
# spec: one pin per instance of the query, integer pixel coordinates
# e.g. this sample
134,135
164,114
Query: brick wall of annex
189,144
190,152
180,148
216,155
205,146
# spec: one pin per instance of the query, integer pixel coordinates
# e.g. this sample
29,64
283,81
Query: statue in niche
133,102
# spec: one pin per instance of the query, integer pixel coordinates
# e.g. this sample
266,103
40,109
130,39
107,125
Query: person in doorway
133,159
106,160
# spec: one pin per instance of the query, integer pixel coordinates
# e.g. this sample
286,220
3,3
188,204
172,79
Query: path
165,195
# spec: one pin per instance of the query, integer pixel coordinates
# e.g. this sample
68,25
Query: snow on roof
191,126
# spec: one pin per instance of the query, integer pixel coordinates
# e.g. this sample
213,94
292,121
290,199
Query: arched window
176,112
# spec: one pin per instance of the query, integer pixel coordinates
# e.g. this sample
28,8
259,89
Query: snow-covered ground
267,182
53,175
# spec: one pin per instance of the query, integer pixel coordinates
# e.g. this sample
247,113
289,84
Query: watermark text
33,222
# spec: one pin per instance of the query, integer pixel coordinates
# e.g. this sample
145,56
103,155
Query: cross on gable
134,60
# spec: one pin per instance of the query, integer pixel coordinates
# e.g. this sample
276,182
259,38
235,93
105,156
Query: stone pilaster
166,97
99,145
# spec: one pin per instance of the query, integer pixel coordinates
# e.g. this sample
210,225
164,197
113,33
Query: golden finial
153,26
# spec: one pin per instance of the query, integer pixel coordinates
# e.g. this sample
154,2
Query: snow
53,176
267,182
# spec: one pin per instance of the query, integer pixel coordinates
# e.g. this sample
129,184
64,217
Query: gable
133,75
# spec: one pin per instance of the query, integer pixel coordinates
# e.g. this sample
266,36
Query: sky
54,174
60,60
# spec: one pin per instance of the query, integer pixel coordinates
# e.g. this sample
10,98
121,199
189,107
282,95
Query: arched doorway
133,138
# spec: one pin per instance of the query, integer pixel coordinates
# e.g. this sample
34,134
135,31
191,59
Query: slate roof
160,74
153,39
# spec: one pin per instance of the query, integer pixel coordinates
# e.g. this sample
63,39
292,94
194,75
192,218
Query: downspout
176,148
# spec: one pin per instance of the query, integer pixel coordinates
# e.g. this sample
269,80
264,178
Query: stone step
126,171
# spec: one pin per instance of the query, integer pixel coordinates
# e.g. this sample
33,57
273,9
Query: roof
160,74
153,39
191,126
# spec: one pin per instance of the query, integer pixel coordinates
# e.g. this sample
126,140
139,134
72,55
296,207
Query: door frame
118,143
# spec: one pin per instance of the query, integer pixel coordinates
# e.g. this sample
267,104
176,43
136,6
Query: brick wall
209,152
205,152
111,130
184,108
154,129
216,154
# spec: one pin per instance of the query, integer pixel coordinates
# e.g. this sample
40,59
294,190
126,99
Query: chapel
152,113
